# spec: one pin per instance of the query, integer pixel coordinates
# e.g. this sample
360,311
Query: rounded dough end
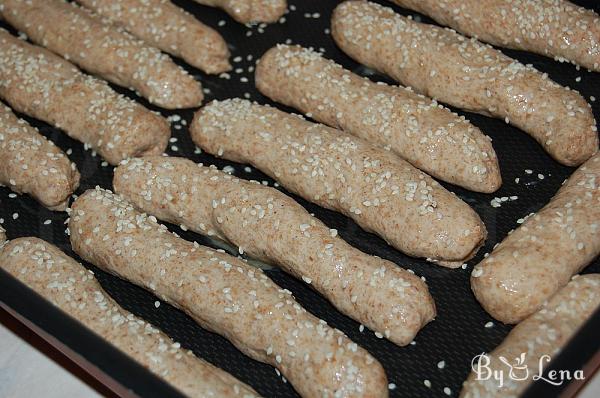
255,11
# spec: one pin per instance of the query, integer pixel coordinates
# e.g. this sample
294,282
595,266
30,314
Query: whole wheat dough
30,163
225,295
42,85
539,257
172,29
467,74
250,11
542,334
270,226
381,192
71,287
414,127
101,49
555,28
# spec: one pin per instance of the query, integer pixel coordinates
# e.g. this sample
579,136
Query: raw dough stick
168,27
103,50
556,28
427,135
250,11
42,85
540,256
72,288
29,163
270,226
542,334
224,295
470,75
377,189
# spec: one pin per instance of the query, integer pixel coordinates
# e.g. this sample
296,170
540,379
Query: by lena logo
518,370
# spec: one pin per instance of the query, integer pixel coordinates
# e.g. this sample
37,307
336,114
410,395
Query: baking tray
459,331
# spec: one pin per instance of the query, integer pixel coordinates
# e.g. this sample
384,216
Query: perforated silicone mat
461,330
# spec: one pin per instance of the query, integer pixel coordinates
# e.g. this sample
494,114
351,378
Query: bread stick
224,295
42,85
537,339
381,192
101,49
557,28
2,236
67,284
270,226
250,11
162,24
467,74
540,256
419,130
29,163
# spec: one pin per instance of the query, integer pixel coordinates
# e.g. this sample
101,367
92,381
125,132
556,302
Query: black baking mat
459,331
